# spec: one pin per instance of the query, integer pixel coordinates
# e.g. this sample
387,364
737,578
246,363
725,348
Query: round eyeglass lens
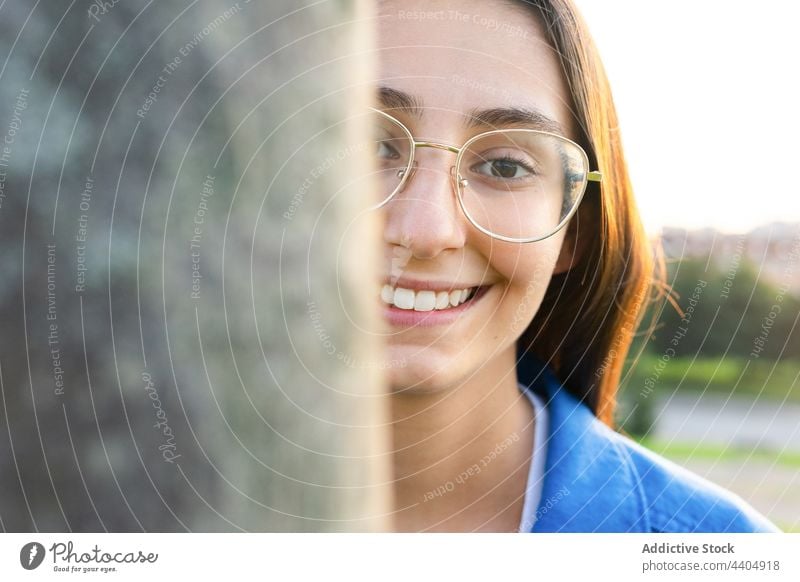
393,150
521,184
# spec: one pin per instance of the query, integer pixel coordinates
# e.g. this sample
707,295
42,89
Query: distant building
774,249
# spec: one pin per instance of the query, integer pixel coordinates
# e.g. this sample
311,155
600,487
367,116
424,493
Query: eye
505,168
386,151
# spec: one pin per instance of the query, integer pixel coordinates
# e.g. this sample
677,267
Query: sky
709,103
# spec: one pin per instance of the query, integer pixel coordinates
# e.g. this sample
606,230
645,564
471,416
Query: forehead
459,56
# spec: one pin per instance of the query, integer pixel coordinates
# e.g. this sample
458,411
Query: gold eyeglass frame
459,182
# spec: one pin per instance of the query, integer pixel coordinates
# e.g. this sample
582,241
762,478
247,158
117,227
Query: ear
575,242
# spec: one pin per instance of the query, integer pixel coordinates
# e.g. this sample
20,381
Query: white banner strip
401,557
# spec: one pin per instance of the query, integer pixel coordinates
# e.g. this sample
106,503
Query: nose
425,216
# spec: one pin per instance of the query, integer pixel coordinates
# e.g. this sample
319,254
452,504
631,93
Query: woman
516,273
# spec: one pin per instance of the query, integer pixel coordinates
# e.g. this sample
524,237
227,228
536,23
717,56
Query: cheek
527,265
527,274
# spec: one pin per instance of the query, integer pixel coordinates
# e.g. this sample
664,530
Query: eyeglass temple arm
595,176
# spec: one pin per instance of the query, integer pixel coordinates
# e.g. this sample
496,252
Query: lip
410,318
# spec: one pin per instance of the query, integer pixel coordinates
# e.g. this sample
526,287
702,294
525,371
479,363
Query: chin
421,373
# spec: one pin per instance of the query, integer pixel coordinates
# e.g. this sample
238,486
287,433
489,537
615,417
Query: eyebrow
495,117
395,100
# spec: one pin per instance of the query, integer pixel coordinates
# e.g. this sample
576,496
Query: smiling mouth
426,300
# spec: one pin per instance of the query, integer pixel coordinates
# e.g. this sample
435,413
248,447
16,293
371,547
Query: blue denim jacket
597,480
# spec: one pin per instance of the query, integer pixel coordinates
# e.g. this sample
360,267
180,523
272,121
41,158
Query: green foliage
741,376
726,313
681,451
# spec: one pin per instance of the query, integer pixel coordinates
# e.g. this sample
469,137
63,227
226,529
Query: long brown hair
617,271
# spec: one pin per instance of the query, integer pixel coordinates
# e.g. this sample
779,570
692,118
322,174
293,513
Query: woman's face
454,58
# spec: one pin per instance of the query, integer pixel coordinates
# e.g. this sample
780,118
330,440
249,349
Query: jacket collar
590,483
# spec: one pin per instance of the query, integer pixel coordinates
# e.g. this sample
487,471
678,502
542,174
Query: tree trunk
176,203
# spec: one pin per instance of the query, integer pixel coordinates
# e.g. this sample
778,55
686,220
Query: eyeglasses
516,185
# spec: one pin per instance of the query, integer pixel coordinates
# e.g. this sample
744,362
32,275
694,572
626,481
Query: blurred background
709,121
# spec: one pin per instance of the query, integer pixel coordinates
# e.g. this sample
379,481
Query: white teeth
387,294
455,297
424,300
403,298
